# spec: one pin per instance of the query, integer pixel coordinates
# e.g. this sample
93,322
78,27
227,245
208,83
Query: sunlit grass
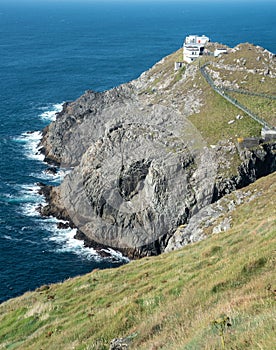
166,302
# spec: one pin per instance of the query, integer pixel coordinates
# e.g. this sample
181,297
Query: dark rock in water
44,190
63,226
101,249
51,171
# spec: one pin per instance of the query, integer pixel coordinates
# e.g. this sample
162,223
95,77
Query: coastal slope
223,286
149,155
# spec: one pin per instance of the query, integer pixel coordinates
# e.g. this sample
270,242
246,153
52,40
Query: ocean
52,52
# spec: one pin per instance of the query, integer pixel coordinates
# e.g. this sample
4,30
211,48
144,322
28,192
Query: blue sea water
51,52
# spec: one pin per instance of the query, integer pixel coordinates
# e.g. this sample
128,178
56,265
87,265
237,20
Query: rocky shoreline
139,167
255,165
51,209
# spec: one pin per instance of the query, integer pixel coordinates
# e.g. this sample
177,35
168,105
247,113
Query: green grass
246,81
171,301
166,302
212,121
263,107
215,112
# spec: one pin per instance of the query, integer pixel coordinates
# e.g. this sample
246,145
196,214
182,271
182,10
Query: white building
218,52
193,47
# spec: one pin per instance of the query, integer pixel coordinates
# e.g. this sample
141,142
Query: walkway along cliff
148,156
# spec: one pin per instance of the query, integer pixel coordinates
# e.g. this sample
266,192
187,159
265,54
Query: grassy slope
165,302
263,107
164,85
213,119
250,58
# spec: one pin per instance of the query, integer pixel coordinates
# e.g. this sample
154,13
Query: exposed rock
122,343
80,123
118,344
63,225
54,206
140,169
216,215
256,163
51,171
223,226
130,190
44,288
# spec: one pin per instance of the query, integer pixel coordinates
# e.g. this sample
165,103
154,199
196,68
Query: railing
245,92
231,99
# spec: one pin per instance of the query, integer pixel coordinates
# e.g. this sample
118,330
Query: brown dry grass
167,302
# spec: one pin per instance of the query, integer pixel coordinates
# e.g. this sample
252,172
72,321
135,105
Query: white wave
26,188
115,254
30,141
63,239
14,239
53,177
9,238
30,209
28,194
32,242
31,200
65,242
31,193
50,114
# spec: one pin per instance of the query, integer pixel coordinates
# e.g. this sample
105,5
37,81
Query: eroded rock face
135,185
139,167
80,123
256,163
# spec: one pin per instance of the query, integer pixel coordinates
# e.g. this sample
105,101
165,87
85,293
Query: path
234,101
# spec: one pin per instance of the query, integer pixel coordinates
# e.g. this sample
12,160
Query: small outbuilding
219,52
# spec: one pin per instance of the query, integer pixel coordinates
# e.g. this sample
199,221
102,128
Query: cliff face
140,166
81,123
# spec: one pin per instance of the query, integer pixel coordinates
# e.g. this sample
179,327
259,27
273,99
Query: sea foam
54,178
51,112
65,242
30,142
61,239
31,200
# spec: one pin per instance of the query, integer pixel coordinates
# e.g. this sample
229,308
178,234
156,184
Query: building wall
193,46
195,39
218,52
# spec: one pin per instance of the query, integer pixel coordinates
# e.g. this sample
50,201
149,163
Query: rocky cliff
149,155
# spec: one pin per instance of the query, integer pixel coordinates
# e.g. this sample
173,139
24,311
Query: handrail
245,92
230,99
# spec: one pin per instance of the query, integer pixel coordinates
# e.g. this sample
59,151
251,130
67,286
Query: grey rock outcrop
216,216
140,168
135,185
80,123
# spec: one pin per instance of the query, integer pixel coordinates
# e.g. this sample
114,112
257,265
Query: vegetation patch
169,302
214,120
265,108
